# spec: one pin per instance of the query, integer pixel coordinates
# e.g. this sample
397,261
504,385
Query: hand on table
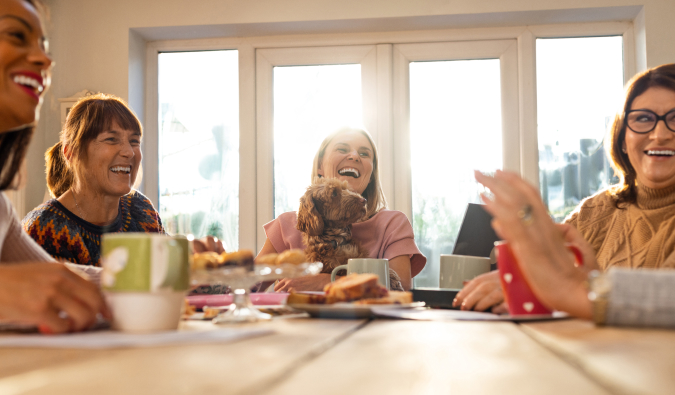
305,283
50,296
208,243
482,293
520,218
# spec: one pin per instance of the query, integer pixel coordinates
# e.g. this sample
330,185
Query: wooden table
322,356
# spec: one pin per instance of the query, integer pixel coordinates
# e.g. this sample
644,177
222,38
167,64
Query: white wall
91,40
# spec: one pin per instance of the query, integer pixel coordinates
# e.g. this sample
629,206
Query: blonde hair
373,192
90,116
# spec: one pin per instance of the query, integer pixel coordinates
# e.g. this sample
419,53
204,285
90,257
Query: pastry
241,258
395,297
267,259
355,287
212,260
293,256
205,260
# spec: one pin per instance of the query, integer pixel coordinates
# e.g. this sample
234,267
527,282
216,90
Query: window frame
251,187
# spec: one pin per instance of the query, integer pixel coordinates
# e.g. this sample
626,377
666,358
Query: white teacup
455,269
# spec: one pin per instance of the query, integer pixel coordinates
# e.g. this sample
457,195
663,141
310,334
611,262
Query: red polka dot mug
517,292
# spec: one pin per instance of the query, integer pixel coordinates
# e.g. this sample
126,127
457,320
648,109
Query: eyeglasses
644,121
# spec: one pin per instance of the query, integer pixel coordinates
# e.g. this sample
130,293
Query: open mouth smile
121,169
349,172
665,153
29,83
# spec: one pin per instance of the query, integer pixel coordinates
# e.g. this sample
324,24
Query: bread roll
293,256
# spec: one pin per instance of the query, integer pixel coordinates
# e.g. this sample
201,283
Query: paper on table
111,339
458,315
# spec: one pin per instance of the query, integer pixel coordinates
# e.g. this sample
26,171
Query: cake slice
300,298
355,287
394,297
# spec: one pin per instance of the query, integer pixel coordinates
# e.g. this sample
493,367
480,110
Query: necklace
77,205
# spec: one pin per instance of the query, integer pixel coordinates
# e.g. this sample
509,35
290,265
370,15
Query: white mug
366,265
455,269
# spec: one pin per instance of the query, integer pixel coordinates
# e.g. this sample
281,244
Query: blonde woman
350,155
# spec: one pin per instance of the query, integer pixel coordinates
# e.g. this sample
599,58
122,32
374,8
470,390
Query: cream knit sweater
640,235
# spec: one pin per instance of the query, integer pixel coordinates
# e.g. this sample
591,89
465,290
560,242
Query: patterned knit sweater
68,237
639,235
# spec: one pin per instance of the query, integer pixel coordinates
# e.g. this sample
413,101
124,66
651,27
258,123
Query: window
462,100
199,144
309,103
439,104
455,128
579,82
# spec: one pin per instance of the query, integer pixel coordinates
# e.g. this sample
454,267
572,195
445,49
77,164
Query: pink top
387,234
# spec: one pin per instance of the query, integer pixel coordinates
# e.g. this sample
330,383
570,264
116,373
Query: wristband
599,289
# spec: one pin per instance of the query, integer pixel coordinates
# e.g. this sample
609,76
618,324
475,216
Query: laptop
476,236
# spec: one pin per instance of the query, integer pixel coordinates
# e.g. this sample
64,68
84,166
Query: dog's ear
309,219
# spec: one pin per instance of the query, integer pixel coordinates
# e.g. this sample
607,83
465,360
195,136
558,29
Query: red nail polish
45,330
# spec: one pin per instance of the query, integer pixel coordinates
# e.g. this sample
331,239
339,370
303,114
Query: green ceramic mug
145,278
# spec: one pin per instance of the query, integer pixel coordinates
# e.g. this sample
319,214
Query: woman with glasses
631,224
619,297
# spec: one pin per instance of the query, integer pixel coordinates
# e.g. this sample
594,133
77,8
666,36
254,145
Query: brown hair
373,192
14,144
13,148
90,116
626,191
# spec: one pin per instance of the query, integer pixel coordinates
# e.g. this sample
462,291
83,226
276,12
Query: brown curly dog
327,211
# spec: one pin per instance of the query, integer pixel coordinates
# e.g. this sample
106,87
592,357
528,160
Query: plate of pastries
211,267
351,296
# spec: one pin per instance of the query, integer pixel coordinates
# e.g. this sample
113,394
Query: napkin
112,339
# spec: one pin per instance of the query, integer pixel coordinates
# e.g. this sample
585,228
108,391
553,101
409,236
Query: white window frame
266,60
504,50
252,120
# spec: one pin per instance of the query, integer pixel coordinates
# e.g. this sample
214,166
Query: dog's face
329,200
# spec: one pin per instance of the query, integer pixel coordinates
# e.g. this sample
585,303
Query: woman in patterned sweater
90,173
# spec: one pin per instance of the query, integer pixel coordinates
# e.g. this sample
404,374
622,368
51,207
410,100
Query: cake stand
241,280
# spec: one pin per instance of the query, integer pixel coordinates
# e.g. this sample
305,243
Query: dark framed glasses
644,121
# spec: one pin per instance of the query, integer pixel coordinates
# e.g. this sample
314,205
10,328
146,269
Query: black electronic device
476,236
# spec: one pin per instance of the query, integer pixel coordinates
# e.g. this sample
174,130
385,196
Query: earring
624,150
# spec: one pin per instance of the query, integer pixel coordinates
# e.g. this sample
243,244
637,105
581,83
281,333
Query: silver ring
525,215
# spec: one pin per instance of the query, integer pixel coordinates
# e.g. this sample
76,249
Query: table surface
324,356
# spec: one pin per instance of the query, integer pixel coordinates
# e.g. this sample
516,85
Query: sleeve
18,246
146,215
641,298
282,233
399,239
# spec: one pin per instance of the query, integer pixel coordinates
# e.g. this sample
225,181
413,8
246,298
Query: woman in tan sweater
631,224
48,295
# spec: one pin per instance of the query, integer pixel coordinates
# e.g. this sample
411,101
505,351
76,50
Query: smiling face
653,154
112,162
24,64
349,157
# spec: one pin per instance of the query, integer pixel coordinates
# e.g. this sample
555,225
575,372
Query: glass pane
579,81
199,144
455,128
309,103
